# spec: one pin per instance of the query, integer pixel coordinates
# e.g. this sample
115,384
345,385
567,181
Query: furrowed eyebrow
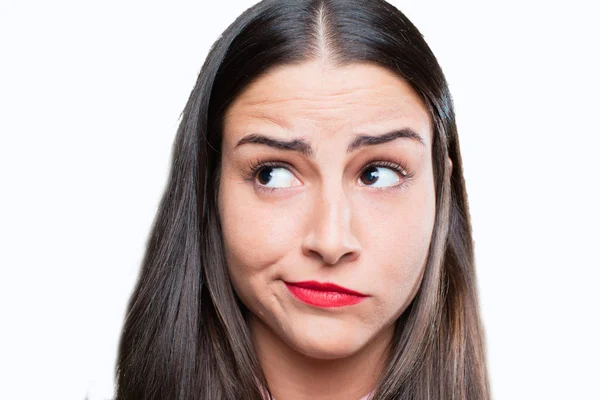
368,140
303,147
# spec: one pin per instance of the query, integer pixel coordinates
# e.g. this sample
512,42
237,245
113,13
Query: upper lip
325,287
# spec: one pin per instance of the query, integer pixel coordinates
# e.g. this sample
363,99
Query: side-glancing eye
265,175
278,176
271,176
384,172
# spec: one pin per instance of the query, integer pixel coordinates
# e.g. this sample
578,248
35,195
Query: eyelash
254,166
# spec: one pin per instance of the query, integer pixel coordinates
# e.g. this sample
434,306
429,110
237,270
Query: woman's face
338,203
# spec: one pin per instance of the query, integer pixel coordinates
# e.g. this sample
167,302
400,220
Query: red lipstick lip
324,295
325,287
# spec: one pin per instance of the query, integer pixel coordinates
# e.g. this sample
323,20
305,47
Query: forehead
316,100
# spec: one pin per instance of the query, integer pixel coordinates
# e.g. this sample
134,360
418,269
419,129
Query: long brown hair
185,335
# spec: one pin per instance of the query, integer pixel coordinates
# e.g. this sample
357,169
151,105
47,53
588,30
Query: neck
294,376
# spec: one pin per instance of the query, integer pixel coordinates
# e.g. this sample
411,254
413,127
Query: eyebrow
303,147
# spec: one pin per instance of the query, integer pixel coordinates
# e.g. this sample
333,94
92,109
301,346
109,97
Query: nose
330,235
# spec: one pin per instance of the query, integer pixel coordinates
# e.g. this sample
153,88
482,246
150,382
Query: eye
383,174
275,177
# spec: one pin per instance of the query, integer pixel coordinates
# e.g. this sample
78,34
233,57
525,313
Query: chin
322,341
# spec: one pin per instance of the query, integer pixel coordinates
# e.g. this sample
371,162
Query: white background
90,96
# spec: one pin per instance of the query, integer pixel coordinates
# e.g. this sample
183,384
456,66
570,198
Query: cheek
256,236
398,246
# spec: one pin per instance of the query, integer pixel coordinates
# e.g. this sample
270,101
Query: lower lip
321,298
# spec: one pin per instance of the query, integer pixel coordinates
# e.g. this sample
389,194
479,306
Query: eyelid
254,165
384,162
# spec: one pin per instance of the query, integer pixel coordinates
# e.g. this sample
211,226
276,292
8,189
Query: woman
314,238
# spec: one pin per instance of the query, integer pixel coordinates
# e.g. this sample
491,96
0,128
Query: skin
325,220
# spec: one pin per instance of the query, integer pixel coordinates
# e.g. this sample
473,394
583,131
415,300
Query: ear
450,162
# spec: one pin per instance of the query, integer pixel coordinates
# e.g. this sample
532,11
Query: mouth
324,294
